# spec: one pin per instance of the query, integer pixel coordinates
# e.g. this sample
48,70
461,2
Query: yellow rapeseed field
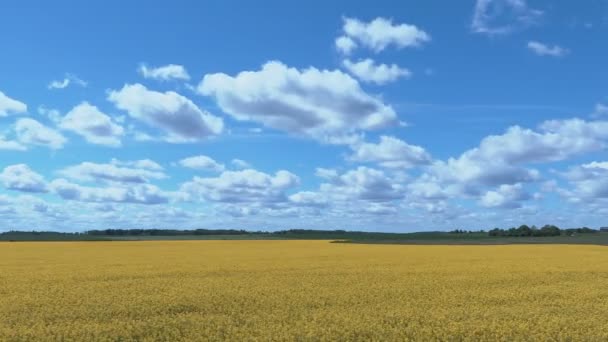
300,290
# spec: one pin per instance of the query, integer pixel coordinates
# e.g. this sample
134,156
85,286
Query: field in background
477,239
244,290
417,238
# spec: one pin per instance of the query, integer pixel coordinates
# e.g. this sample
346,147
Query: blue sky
391,116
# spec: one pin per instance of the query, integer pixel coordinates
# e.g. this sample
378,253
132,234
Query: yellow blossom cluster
301,290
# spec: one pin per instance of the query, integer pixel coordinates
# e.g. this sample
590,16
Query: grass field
300,290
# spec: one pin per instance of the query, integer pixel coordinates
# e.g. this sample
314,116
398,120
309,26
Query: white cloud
240,164
467,174
164,73
202,163
139,164
546,50
88,171
600,110
502,160
427,188
30,205
95,126
345,44
53,114
59,84
596,165
503,16
362,183
589,183
138,193
318,103
556,140
10,106
142,136
245,186
7,207
308,199
575,136
4,200
378,34
170,111
324,173
376,208
506,196
368,71
11,145
30,131
360,193
391,152
20,177
69,79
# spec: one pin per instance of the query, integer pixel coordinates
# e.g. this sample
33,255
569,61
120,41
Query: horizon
392,118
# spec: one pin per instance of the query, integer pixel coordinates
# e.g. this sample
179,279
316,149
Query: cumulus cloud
170,111
20,177
427,188
4,200
138,193
313,102
245,186
240,164
143,136
503,16
53,114
308,199
556,140
589,182
600,110
7,207
324,173
10,106
541,49
507,196
361,192
164,73
345,44
504,160
362,183
467,174
368,71
139,164
30,131
376,208
496,157
67,80
378,34
595,166
96,127
11,145
201,163
574,136
391,152
88,171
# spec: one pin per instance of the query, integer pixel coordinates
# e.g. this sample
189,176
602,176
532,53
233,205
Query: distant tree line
546,230
464,231
165,232
108,234
312,231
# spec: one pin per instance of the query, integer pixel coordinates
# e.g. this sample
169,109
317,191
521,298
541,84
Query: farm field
300,290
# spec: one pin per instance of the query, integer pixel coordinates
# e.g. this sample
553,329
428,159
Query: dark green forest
457,235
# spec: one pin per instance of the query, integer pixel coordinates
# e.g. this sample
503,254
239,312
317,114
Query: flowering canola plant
300,290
